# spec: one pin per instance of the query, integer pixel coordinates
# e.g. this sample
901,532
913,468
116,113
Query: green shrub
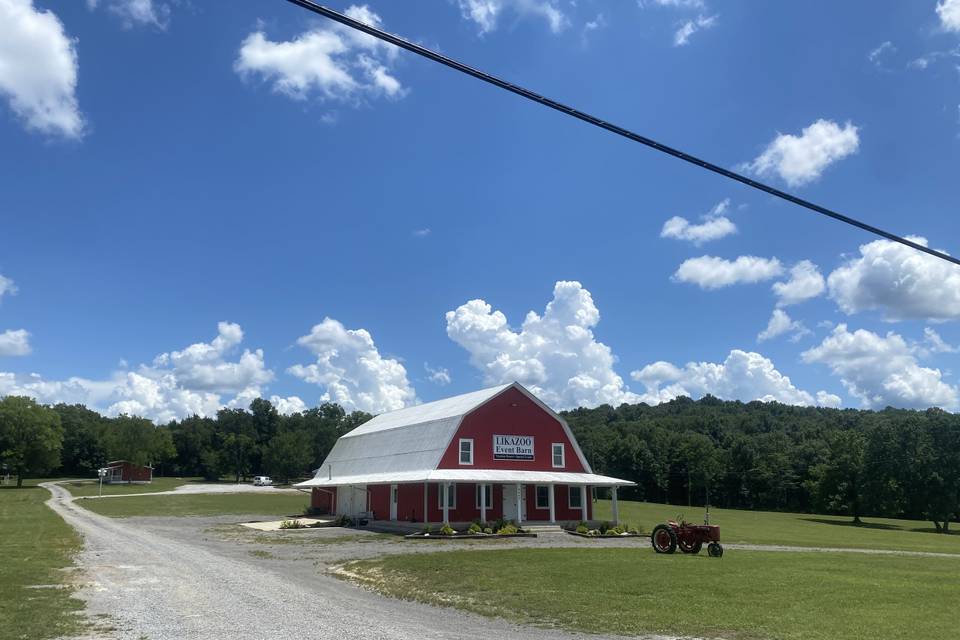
343,521
475,528
427,530
611,532
447,530
507,529
582,528
292,524
487,530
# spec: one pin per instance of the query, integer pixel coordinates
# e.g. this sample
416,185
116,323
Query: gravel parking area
208,578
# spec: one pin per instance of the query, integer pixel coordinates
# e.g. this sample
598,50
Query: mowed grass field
631,591
201,504
36,545
92,487
793,529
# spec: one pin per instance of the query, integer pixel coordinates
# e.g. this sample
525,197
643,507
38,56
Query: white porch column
426,513
553,512
519,488
446,503
483,502
616,511
583,503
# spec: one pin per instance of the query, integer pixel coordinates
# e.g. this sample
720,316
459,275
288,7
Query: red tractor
689,538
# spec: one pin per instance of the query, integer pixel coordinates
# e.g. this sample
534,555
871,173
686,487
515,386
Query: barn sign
512,447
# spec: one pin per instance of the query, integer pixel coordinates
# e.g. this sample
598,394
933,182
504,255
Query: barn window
451,496
466,451
488,490
575,497
558,456
543,497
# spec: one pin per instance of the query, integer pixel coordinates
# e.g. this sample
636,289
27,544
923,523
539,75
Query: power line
618,130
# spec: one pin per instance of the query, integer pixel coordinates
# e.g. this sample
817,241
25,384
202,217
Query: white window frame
453,496
553,455
574,491
476,495
536,496
460,451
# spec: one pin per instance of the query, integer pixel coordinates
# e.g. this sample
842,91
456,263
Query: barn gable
517,413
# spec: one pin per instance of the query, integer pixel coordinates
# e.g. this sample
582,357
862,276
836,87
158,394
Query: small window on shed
558,456
466,451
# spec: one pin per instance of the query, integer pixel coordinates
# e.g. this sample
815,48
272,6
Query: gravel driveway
190,489
194,578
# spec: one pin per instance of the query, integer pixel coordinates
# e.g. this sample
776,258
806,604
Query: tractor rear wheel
715,550
664,539
693,547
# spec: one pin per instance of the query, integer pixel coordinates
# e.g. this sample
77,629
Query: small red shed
494,453
124,471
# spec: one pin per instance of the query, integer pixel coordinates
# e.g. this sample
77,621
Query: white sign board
512,447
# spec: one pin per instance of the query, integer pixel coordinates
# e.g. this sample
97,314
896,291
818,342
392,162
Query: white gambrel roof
406,446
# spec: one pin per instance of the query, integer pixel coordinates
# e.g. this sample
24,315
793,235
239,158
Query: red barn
495,453
124,471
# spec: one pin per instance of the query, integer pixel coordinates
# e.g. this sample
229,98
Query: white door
510,511
393,501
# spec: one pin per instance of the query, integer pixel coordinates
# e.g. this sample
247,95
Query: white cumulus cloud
798,160
351,370
38,69
486,14
715,225
805,282
899,281
330,62
781,323
175,385
15,342
202,366
949,13
709,272
882,370
742,376
555,354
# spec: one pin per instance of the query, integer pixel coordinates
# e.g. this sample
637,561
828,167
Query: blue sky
201,207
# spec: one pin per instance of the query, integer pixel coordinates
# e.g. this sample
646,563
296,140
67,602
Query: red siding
323,499
511,413
466,509
410,502
378,501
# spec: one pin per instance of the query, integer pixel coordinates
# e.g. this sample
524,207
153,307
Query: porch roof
485,476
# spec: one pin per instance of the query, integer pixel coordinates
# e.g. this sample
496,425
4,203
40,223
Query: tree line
72,440
755,455
769,456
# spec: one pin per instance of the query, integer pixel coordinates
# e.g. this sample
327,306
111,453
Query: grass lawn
201,504
35,545
91,487
634,591
794,529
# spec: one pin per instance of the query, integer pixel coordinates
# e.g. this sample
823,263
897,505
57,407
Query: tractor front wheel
715,550
664,539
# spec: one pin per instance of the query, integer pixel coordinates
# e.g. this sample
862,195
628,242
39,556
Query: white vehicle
262,481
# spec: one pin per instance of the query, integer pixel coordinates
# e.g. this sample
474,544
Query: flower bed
476,531
605,530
